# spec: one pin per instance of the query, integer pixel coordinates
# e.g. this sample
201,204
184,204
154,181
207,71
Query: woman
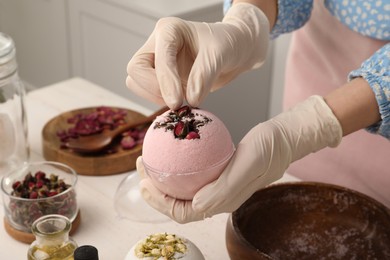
337,83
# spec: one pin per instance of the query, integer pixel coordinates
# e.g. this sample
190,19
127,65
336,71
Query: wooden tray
90,164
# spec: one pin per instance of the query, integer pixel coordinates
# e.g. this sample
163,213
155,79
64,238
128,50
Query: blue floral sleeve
292,14
226,5
376,70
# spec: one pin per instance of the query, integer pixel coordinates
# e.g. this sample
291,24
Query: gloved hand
184,60
261,158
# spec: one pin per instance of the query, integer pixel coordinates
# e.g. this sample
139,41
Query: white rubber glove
184,60
261,158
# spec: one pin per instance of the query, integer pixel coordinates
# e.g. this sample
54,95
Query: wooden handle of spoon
143,121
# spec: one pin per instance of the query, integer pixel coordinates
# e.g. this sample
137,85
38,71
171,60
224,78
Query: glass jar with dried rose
13,123
38,189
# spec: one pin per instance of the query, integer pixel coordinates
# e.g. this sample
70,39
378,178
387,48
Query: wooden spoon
97,142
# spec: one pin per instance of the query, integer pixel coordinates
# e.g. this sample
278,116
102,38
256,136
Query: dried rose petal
39,184
52,193
39,175
33,195
183,111
17,186
181,129
42,193
128,142
192,135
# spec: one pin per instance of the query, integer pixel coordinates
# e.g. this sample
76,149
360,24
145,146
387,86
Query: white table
100,225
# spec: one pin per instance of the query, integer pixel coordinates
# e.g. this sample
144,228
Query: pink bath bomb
186,149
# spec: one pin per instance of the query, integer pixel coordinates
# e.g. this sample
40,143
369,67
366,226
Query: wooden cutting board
96,164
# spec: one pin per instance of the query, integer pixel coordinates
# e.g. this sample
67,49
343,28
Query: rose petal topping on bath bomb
184,123
185,141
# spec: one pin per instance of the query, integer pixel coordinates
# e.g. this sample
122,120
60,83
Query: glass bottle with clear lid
52,239
13,122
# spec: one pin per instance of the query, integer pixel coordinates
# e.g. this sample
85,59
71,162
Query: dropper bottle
86,252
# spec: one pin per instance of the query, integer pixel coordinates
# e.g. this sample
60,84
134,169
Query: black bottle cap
86,252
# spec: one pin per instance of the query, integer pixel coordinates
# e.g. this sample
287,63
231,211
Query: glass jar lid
6,48
7,55
51,226
6,44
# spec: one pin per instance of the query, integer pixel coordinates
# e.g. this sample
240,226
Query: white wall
42,60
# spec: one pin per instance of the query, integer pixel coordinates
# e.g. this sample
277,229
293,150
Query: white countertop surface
100,225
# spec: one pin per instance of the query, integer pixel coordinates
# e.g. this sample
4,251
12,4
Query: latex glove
184,60
261,158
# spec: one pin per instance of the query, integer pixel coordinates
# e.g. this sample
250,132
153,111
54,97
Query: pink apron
322,53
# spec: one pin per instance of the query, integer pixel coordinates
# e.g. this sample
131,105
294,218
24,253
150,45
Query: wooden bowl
309,221
88,164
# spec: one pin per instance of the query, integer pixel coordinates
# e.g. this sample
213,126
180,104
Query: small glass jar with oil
52,239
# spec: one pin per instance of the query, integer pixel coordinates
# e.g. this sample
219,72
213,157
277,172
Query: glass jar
21,212
13,123
52,239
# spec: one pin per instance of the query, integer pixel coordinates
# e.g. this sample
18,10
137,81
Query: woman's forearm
269,8
354,105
